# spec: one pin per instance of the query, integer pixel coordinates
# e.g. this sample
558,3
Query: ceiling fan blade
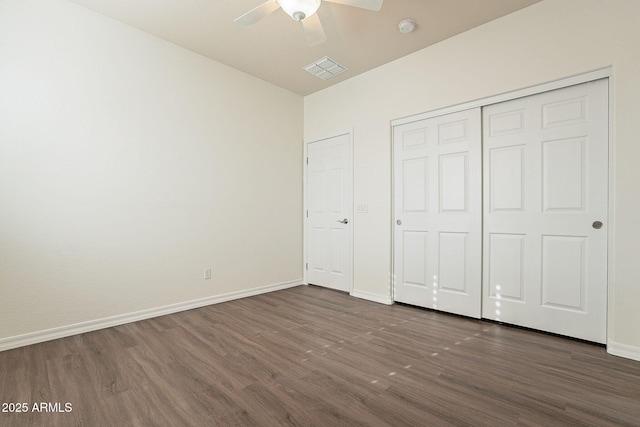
313,29
258,13
374,5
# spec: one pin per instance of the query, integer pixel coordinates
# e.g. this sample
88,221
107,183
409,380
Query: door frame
305,204
603,73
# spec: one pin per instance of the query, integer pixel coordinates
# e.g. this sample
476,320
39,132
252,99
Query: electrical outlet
207,273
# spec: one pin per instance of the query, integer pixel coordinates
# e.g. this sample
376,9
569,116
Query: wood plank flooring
309,356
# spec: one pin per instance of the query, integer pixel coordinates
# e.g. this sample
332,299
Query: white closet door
437,213
545,211
330,205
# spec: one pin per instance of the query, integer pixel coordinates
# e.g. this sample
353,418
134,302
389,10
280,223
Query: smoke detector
406,26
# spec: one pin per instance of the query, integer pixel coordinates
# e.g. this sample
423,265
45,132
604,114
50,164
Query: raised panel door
437,213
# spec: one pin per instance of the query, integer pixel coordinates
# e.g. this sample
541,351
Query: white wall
545,42
128,165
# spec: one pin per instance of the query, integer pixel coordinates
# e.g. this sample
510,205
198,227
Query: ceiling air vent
325,68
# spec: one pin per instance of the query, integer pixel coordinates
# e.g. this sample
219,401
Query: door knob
344,221
597,225
399,222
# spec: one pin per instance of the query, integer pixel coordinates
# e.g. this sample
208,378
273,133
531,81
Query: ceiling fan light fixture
299,9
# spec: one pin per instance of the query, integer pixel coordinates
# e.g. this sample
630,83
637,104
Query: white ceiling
275,49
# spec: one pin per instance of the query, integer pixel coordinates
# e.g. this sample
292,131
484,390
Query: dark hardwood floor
312,356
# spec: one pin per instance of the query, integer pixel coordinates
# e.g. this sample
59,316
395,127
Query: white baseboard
108,322
382,299
623,350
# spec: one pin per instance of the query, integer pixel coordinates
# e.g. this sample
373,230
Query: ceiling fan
303,11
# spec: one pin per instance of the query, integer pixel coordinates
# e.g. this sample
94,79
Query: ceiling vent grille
325,68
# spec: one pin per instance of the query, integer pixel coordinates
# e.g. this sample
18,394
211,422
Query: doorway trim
508,96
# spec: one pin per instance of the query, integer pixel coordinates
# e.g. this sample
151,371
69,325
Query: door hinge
306,266
307,160
307,214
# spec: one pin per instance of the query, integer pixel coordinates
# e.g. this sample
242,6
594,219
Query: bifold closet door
437,213
545,211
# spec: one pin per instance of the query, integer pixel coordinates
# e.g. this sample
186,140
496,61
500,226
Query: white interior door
329,213
438,213
545,188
